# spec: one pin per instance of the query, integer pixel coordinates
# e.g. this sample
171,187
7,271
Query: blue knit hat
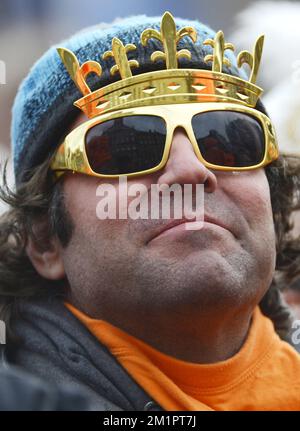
43,110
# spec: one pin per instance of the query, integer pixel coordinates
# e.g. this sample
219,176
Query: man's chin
193,248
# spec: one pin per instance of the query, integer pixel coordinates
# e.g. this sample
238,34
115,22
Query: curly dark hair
40,202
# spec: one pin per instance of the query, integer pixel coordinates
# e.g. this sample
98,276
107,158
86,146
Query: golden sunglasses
137,141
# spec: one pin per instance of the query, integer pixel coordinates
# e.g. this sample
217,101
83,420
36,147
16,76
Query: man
147,313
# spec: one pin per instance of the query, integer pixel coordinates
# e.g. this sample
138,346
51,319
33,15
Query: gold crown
172,85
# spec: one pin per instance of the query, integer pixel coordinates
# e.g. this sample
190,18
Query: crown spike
253,60
79,73
219,47
169,38
119,53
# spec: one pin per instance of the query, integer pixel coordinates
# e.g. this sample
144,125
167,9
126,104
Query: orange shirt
263,375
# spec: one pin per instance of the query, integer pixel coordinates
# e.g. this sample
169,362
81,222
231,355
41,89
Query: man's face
122,270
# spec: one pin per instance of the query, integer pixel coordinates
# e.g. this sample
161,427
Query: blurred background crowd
29,27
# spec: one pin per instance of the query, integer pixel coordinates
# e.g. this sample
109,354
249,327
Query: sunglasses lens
126,144
228,138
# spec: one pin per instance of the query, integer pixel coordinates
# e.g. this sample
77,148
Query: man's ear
46,260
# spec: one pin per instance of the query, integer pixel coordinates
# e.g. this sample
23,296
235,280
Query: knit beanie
43,109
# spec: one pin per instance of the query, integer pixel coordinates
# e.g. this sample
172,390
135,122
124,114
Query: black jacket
55,346
20,391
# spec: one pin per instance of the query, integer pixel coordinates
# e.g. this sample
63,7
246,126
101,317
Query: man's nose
183,165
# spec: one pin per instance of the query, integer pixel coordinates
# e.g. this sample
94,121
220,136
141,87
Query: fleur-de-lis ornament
219,47
253,60
169,38
79,73
119,53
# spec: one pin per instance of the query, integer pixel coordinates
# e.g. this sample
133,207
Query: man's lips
176,222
